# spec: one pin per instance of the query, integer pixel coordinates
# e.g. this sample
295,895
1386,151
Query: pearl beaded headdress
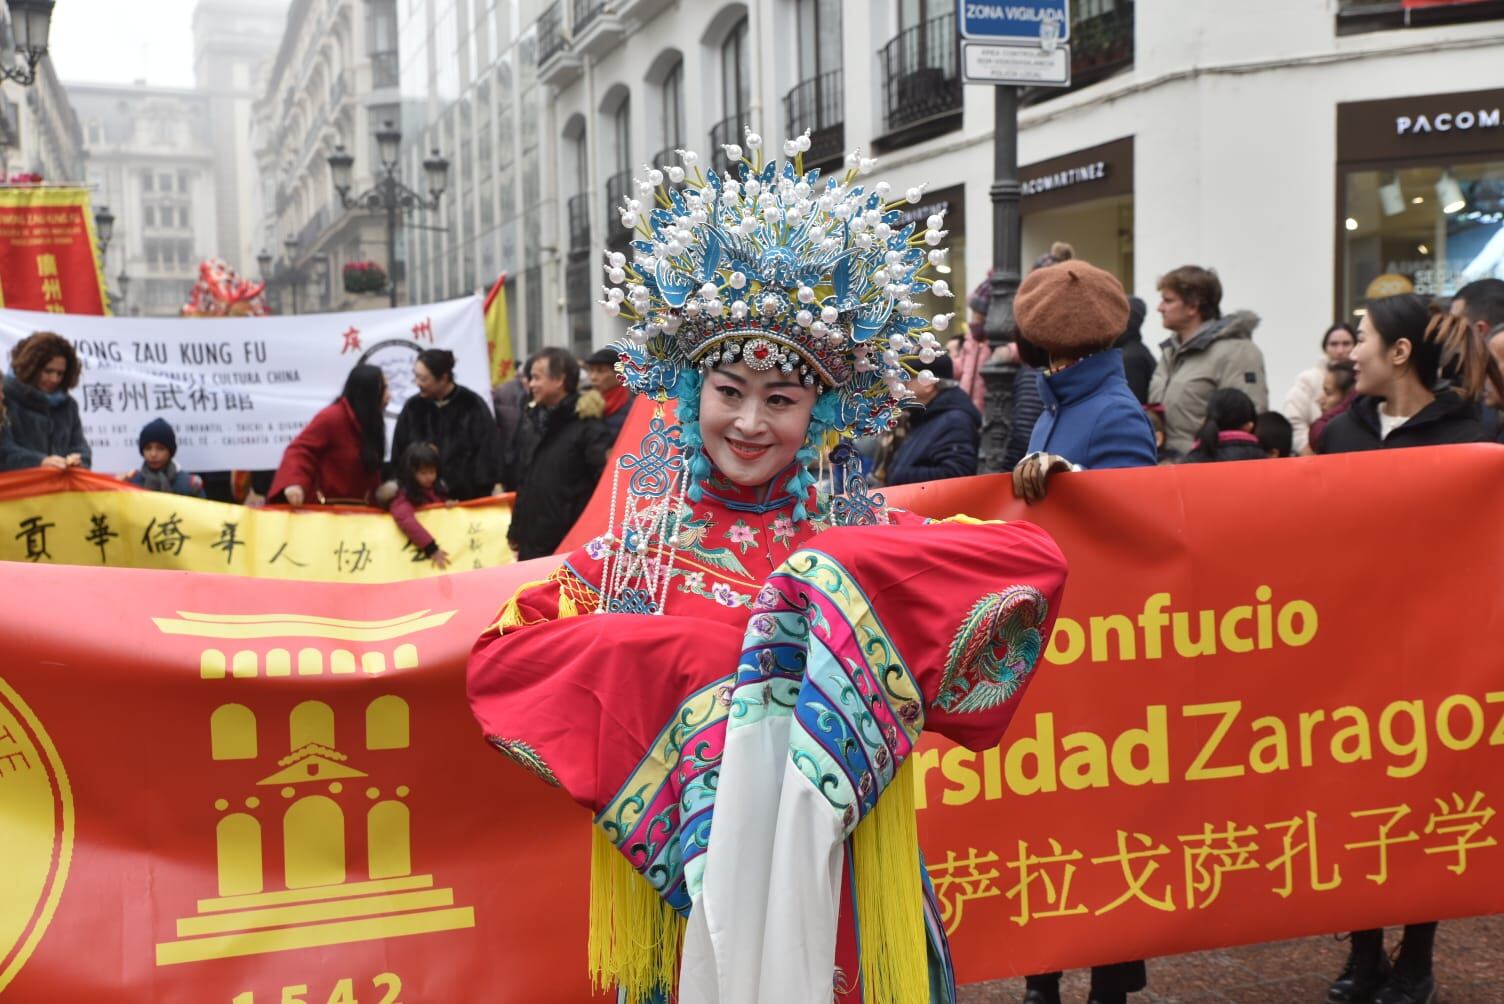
771,267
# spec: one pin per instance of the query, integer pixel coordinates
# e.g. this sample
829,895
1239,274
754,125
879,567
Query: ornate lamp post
389,193
104,228
31,22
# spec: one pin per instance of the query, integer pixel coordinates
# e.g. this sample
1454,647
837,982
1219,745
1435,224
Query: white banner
237,389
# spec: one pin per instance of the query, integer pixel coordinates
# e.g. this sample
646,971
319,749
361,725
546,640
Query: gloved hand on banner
1031,476
294,495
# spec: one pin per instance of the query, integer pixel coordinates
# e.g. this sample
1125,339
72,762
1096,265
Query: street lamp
123,281
293,275
31,23
389,193
104,228
264,264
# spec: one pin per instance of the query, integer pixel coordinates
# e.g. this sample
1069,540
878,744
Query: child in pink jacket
419,485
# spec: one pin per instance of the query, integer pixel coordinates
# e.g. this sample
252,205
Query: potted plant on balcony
364,277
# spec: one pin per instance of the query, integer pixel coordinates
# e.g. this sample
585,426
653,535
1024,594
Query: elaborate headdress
771,266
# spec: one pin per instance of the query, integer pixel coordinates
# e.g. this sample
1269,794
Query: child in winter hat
159,473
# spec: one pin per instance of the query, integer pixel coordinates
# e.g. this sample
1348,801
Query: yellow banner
139,529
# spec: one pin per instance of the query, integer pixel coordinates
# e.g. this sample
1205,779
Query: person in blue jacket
1073,312
945,431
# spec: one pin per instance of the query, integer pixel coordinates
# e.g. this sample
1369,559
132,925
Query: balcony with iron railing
1101,46
578,208
921,82
551,40
557,63
596,29
818,104
730,129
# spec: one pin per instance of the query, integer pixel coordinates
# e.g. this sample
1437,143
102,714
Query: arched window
311,722
735,80
232,732
672,107
387,723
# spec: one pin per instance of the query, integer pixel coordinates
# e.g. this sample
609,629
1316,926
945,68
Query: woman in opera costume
733,677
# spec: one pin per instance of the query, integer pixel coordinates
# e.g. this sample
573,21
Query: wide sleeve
301,458
856,645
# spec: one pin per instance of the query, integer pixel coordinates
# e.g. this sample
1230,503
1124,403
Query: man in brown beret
1073,312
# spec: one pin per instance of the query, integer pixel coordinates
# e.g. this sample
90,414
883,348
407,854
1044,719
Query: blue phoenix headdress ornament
774,267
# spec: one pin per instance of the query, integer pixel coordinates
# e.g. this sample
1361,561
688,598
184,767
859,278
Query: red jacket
325,461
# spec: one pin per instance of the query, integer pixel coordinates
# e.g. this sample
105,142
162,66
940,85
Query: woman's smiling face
753,422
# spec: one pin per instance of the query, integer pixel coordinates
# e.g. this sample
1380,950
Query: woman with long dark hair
337,457
1419,379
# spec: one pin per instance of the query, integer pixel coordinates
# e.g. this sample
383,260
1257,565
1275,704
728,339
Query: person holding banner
337,457
457,421
1419,378
739,711
42,427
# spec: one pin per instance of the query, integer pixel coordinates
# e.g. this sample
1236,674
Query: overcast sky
115,41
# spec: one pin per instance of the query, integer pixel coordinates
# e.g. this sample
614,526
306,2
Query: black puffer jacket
560,455
39,428
464,430
1448,419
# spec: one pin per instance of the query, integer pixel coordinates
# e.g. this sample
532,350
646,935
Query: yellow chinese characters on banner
47,259
138,529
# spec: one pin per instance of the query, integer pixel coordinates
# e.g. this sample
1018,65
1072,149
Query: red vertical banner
47,256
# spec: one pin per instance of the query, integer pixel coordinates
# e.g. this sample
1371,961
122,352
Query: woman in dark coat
457,421
337,457
1403,353
42,427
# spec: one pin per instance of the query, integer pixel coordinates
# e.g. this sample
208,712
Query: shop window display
1429,230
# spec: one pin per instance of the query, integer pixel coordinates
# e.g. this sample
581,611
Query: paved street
1469,970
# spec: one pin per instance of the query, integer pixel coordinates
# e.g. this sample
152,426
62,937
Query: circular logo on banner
395,356
36,832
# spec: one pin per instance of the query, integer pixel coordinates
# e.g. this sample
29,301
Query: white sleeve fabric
804,901
723,943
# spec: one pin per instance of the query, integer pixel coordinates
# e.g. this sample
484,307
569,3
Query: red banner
1272,707
47,259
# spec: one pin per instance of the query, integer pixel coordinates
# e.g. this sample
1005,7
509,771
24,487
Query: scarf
159,481
616,397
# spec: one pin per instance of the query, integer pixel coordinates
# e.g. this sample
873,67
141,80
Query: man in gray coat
1206,352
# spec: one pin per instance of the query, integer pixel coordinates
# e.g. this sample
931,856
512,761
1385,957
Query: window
183,217
147,180
734,83
1354,16
183,182
621,135
150,215
673,107
1428,229
164,182
819,35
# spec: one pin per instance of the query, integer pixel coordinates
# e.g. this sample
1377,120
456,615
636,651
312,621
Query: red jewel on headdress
761,352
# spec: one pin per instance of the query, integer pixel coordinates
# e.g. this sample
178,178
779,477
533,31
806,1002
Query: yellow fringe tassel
635,936
890,897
